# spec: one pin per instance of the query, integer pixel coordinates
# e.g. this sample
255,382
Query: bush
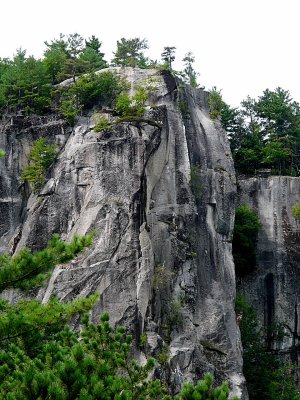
70,108
2,153
136,105
216,103
102,125
89,90
123,105
296,211
246,228
41,157
101,89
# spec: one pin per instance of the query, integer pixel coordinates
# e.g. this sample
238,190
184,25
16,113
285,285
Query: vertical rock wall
273,288
161,198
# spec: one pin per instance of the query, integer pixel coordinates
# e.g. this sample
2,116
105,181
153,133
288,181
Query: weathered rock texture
162,203
273,288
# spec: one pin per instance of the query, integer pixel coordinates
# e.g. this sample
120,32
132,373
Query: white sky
240,46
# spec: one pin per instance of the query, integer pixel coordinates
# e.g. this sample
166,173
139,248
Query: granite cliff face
273,289
161,198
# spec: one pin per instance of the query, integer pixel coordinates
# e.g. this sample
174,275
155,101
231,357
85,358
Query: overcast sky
240,46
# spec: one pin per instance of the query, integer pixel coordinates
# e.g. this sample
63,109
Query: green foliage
66,367
134,106
129,53
246,228
41,358
102,125
265,133
56,364
2,153
41,157
55,58
296,211
175,317
140,99
124,104
164,356
27,269
29,324
203,390
87,91
67,57
267,378
216,103
24,84
143,339
168,56
162,277
70,108
183,107
188,74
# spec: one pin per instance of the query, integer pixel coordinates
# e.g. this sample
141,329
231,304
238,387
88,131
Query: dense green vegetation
30,85
42,358
41,157
130,108
88,90
245,232
26,83
59,364
267,377
263,133
27,269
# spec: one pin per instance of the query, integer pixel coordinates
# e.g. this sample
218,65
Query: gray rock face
273,289
161,201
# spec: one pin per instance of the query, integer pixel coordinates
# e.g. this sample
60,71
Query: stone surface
273,288
161,201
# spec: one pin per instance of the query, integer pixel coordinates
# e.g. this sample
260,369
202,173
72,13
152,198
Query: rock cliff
161,198
273,288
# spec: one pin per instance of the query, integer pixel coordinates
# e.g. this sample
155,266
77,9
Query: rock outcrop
273,288
161,198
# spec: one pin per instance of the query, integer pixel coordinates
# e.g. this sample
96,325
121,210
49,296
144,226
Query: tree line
28,84
264,133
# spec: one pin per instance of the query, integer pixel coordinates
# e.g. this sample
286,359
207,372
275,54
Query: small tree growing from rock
296,212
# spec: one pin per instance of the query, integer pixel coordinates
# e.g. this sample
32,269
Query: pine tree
129,52
168,56
41,157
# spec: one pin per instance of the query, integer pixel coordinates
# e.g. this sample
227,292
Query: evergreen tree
267,134
168,56
25,84
92,56
246,228
74,63
41,157
55,57
129,52
189,74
